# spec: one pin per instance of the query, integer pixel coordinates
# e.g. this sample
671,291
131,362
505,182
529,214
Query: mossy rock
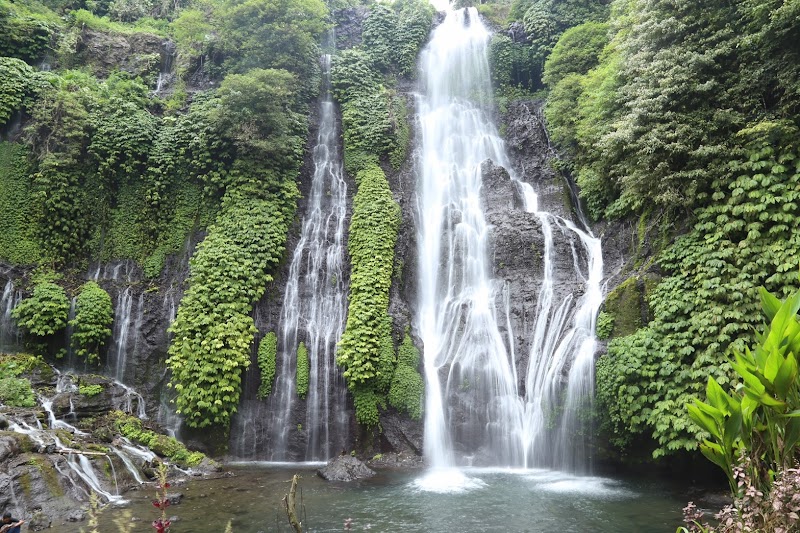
628,306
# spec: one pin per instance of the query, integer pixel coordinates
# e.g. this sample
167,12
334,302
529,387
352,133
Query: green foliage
576,52
546,20
18,244
90,390
704,305
512,64
393,35
605,325
406,392
134,429
15,74
281,34
45,312
213,330
374,117
25,33
267,353
16,392
126,9
253,114
92,322
302,370
363,348
366,402
761,415
229,270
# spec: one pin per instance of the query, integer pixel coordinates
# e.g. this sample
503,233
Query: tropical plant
762,416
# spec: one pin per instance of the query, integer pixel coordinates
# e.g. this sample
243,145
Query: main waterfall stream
477,411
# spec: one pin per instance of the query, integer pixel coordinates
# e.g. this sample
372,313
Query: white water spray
474,410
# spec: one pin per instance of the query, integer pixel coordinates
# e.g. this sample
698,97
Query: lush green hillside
98,165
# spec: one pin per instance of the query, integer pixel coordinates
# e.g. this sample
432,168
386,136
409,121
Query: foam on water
448,481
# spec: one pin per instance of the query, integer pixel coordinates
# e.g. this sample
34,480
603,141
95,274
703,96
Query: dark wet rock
530,151
138,54
396,460
81,401
174,498
516,32
345,468
401,434
206,467
349,24
39,521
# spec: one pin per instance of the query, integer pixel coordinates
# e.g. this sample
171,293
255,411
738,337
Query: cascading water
10,338
475,409
314,311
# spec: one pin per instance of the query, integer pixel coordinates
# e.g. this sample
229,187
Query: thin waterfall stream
477,411
313,312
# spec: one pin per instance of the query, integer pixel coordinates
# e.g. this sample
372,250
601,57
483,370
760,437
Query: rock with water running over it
345,468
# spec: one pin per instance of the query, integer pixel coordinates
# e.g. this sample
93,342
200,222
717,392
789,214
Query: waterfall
476,410
10,337
313,312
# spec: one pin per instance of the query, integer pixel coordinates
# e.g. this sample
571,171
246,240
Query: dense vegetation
267,354
91,327
754,428
376,129
99,166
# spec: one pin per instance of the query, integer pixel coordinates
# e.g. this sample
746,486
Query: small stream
497,501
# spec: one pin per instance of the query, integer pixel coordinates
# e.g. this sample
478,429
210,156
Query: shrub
267,353
92,323
302,370
45,312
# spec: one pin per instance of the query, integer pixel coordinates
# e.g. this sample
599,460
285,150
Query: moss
132,428
624,304
66,438
25,483
48,474
90,390
24,442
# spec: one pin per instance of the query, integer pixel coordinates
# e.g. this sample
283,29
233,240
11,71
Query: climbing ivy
365,350
605,325
18,243
15,74
407,388
25,33
302,370
267,353
229,271
708,302
92,323
374,116
45,312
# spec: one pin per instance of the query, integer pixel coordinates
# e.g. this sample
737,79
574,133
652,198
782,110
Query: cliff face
144,309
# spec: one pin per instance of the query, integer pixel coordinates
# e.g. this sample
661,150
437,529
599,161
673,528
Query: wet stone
345,468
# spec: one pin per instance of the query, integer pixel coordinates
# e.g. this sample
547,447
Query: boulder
345,468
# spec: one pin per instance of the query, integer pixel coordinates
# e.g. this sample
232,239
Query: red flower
161,526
